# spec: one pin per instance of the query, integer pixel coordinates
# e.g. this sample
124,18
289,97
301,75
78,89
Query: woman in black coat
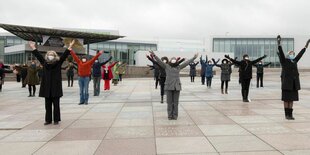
245,73
192,71
51,85
289,78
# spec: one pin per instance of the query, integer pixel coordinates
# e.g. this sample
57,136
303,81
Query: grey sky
178,19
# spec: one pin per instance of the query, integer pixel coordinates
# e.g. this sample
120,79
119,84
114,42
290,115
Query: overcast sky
176,19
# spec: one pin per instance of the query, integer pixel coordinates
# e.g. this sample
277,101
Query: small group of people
51,83
172,84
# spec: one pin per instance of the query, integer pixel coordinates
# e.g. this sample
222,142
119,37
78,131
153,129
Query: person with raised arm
203,64
51,84
260,73
245,73
107,74
209,72
192,71
97,75
290,83
84,72
173,82
225,73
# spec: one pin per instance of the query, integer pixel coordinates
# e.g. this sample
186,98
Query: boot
226,91
290,114
286,110
162,99
222,91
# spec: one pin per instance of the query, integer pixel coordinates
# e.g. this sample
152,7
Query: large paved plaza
129,120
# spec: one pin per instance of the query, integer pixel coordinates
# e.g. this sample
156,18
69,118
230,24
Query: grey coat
225,71
173,74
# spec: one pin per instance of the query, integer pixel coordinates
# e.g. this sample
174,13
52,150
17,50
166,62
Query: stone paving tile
31,135
239,143
71,134
69,147
287,141
130,132
183,145
129,119
18,148
177,131
127,147
222,130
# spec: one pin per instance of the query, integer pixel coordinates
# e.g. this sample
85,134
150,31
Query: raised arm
160,63
75,57
103,63
113,64
297,58
266,65
184,64
92,60
181,60
196,63
36,53
280,50
233,60
259,59
216,63
67,52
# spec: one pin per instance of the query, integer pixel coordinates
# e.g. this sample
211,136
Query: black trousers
70,79
203,79
156,81
192,78
245,86
49,102
226,85
32,88
18,77
259,78
209,81
162,85
120,77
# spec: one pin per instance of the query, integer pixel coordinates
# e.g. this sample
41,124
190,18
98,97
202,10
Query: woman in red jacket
107,75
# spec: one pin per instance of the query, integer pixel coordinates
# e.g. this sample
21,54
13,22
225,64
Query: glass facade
254,47
120,51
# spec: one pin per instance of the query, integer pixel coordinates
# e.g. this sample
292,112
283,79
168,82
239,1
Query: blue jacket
209,70
203,64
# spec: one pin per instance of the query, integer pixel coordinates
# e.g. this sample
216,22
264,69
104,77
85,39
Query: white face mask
165,61
173,61
50,57
96,61
246,58
291,56
83,60
260,63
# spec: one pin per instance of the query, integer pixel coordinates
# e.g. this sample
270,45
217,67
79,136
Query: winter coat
120,69
260,68
32,77
290,74
51,83
173,74
245,67
209,70
203,66
225,71
109,68
192,71
97,67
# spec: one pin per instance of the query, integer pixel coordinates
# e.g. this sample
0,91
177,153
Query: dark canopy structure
36,34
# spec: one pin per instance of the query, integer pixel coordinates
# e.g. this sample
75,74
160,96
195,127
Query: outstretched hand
71,44
307,43
101,51
279,39
152,52
227,56
32,45
196,55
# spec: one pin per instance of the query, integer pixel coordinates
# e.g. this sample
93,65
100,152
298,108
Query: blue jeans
83,83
